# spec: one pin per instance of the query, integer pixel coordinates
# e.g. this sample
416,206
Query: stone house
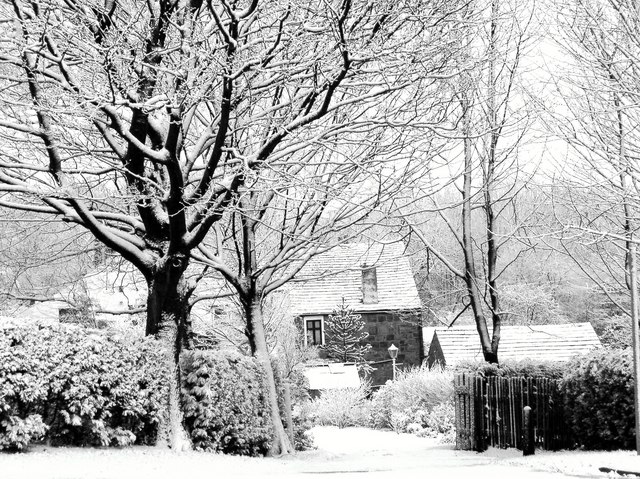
377,282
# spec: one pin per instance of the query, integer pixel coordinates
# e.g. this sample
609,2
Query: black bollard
528,446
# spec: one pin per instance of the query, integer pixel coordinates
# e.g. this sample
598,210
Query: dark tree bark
168,320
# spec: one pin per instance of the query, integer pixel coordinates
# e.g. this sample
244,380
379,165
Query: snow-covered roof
116,290
551,342
45,312
332,376
329,277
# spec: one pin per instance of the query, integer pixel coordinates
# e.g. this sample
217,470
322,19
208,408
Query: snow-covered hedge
77,387
525,368
224,403
598,390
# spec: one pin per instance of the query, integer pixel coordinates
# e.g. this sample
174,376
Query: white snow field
341,453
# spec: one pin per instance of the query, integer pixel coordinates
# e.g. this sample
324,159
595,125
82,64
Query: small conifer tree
344,335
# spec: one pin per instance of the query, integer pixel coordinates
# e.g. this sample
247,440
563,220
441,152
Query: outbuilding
551,342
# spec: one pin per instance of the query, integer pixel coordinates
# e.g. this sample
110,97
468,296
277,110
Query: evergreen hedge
224,404
523,368
598,389
74,387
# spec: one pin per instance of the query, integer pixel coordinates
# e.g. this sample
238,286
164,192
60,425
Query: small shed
551,342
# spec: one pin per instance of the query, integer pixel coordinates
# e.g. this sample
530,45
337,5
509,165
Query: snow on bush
525,368
420,401
441,422
342,407
81,387
17,433
224,403
598,389
405,404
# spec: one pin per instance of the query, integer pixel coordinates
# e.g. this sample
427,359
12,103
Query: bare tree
321,200
37,259
596,201
492,121
146,123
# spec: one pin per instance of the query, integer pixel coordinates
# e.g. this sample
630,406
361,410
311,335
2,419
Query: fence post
528,446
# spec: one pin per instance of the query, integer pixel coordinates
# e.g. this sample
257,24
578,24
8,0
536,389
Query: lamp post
635,342
393,353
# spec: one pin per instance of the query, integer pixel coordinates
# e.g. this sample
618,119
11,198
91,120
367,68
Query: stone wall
387,328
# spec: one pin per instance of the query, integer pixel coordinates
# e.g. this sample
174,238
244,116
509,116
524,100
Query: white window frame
304,327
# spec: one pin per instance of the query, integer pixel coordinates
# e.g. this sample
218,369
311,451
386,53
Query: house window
313,331
369,285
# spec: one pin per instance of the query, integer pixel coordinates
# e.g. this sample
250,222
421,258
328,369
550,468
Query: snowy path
346,453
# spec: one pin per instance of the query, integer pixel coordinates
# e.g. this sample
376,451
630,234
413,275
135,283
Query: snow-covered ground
341,453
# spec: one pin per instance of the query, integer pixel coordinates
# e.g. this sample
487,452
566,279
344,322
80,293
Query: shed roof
552,342
329,277
332,376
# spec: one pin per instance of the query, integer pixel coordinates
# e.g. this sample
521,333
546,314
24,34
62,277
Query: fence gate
489,412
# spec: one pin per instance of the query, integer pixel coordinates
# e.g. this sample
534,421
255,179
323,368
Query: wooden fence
489,412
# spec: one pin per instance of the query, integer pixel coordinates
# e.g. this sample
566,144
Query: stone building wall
387,328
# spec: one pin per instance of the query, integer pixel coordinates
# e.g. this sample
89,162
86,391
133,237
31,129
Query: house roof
553,342
327,278
45,312
332,376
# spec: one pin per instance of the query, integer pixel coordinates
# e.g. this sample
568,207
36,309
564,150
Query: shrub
614,332
598,390
342,407
302,420
224,403
414,394
441,422
16,433
87,388
108,394
22,391
524,368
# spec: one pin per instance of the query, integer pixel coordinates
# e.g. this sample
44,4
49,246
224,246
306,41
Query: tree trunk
471,277
258,341
490,166
171,431
168,320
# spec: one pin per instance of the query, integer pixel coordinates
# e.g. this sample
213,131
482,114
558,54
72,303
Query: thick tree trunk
168,320
168,297
281,443
171,431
